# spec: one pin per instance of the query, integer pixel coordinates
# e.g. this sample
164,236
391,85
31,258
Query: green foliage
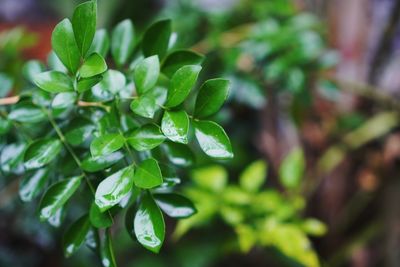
116,136
258,217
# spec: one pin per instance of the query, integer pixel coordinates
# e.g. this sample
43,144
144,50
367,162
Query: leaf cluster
106,121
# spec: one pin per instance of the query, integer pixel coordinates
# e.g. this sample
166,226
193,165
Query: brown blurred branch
9,100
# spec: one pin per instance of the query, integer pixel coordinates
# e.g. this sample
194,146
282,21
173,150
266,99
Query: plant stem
74,156
93,104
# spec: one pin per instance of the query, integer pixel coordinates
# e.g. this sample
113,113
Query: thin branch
93,104
71,151
9,100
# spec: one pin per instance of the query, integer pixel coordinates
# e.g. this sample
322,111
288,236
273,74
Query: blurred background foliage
313,107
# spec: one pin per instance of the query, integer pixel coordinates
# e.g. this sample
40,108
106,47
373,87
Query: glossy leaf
113,81
84,24
11,156
57,195
145,106
41,152
148,174
75,235
101,43
175,126
292,169
78,131
91,164
107,252
32,68
41,98
213,139
179,154
93,65
55,63
27,113
106,144
175,206
146,74
87,83
33,184
99,219
123,42
156,39
181,84
211,97
254,176
53,82
149,224
178,59
147,137
64,45
114,188
57,219
63,100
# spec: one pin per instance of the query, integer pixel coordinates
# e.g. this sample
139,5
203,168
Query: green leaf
27,113
57,218
41,152
175,206
12,156
5,125
123,42
91,164
175,126
178,154
145,106
159,94
100,44
181,83
211,97
178,59
54,82
107,252
113,81
148,174
75,235
213,139
64,45
213,178
87,83
146,74
41,98
114,188
78,131
93,65
55,63
292,169
99,219
149,224
7,83
57,195
253,177
156,39
147,137
106,144
84,25
63,101
314,227
33,184
32,68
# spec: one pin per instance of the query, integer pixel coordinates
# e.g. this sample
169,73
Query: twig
9,100
71,151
